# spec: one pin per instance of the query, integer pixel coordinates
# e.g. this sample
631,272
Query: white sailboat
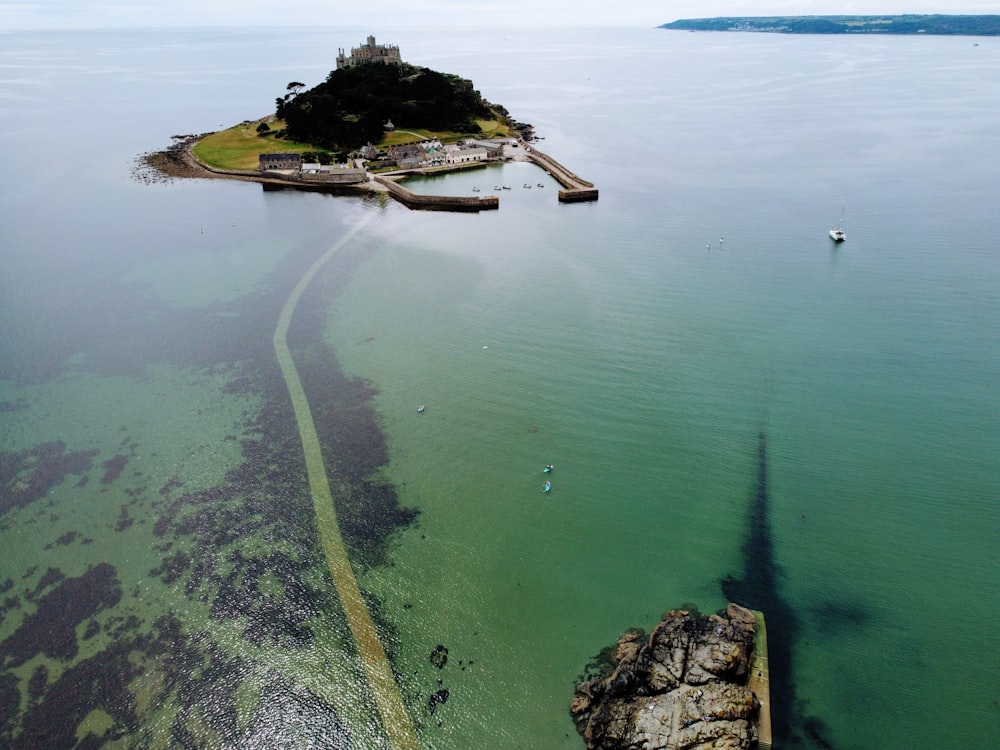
837,235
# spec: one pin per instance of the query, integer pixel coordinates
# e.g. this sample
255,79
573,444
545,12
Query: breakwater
575,188
436,202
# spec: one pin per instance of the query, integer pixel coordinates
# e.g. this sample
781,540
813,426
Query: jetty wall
437,202
760,682
575,188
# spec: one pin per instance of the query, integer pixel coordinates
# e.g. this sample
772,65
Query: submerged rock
684,687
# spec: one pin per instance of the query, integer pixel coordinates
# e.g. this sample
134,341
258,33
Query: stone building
386,54
466,154
287,160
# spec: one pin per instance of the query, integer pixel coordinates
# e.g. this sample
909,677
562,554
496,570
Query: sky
21,14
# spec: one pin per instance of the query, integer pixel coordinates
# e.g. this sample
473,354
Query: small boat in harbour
420,408
547,486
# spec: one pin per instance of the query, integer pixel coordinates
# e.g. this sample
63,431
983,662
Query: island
957,25
696,682
373,122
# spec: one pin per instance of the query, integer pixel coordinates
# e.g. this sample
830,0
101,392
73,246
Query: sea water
640,343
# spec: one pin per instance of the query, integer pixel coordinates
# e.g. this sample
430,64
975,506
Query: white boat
837,235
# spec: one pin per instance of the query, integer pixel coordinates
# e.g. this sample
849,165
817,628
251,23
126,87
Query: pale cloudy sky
440,13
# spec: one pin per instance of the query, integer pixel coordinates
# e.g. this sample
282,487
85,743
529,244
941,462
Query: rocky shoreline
684,687
177,161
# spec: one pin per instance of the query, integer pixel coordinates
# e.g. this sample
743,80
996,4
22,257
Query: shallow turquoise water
605,338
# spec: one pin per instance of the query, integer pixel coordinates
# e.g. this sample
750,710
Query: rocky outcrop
684,687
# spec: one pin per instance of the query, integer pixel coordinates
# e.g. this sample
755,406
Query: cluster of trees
902,24
350,108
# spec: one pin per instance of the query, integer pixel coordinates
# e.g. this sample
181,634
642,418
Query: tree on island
350,108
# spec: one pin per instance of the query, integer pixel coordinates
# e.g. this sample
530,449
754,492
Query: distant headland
941,25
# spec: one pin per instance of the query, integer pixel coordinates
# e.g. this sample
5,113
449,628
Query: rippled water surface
164,581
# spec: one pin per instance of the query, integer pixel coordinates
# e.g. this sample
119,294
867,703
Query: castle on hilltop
387,54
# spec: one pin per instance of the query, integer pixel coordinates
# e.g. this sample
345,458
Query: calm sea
163,583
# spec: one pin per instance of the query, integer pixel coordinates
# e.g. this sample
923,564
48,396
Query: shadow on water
759,589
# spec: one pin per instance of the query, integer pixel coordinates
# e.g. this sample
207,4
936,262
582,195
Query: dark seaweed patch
29,475
120,627
49,578
124,519
113,468
36,685
68,538
172,484
98,682
51,630
172,567
10,706
279,618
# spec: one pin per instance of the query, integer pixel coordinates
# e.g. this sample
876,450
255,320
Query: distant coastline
936,24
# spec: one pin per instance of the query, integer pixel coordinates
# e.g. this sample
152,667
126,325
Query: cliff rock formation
682,688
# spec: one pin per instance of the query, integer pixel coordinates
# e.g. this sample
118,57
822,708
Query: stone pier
575,189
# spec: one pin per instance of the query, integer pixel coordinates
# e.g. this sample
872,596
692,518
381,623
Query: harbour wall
575,188
437,202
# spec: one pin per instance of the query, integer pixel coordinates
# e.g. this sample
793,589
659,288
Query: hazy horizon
445,14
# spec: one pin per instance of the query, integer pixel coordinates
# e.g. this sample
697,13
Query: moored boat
837,235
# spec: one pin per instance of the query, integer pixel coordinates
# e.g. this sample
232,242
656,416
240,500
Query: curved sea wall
576,189
437,202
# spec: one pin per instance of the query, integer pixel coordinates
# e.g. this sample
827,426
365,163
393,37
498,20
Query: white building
466,154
